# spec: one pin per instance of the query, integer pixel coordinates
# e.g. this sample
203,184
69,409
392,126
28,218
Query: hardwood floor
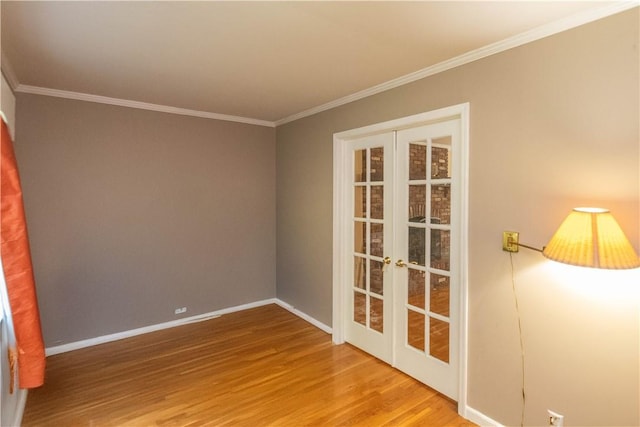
257,367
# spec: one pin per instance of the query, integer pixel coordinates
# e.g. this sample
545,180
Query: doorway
400,251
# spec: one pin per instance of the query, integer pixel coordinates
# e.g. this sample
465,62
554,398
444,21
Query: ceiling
266,62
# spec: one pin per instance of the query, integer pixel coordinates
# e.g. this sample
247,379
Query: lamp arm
511,242
530,247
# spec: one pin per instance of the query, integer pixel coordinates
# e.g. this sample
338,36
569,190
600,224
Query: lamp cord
515,297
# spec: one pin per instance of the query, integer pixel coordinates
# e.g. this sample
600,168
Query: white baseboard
50,351
14,410
22,403
479,418
304,316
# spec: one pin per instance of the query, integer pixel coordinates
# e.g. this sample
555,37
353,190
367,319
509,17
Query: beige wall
554,124
134,213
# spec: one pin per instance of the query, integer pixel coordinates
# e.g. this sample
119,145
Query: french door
401,249
426,327
369,300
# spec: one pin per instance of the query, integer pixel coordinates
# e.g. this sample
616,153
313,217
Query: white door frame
340,162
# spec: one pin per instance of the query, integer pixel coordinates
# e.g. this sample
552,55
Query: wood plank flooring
257,367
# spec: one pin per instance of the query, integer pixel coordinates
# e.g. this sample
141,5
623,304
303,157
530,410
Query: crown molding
466,58
537,33
36,90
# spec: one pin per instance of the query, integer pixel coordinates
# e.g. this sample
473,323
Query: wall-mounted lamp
588,237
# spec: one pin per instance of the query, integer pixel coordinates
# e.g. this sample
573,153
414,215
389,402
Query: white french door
369,301
400,208
427,223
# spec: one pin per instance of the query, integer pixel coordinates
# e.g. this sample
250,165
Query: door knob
400,263
386,262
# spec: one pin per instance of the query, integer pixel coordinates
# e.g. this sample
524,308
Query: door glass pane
377,242
415,329
360,201
375,281
439,339
440,249
417,199
416,245
376,314
377,202
417,162
415,291
439,294
377,164
441,204
441,158
360,237
360,272
360,165
360,308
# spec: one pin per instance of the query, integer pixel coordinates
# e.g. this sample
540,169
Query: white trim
20,398
538,33
22,403
139,105
339,230
454,111
318,324
463,344
50,351
460,111
479,418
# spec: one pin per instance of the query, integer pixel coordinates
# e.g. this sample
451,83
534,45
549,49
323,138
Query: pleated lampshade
591,237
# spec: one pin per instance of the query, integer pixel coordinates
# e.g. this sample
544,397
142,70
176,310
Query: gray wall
554,125
134,213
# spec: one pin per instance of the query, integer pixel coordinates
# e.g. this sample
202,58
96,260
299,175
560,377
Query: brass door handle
400,263
386,261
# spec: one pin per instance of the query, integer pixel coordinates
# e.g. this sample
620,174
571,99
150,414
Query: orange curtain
18,271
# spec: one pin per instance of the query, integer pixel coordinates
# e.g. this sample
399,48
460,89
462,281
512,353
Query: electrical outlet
510,240
180,310
555,419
